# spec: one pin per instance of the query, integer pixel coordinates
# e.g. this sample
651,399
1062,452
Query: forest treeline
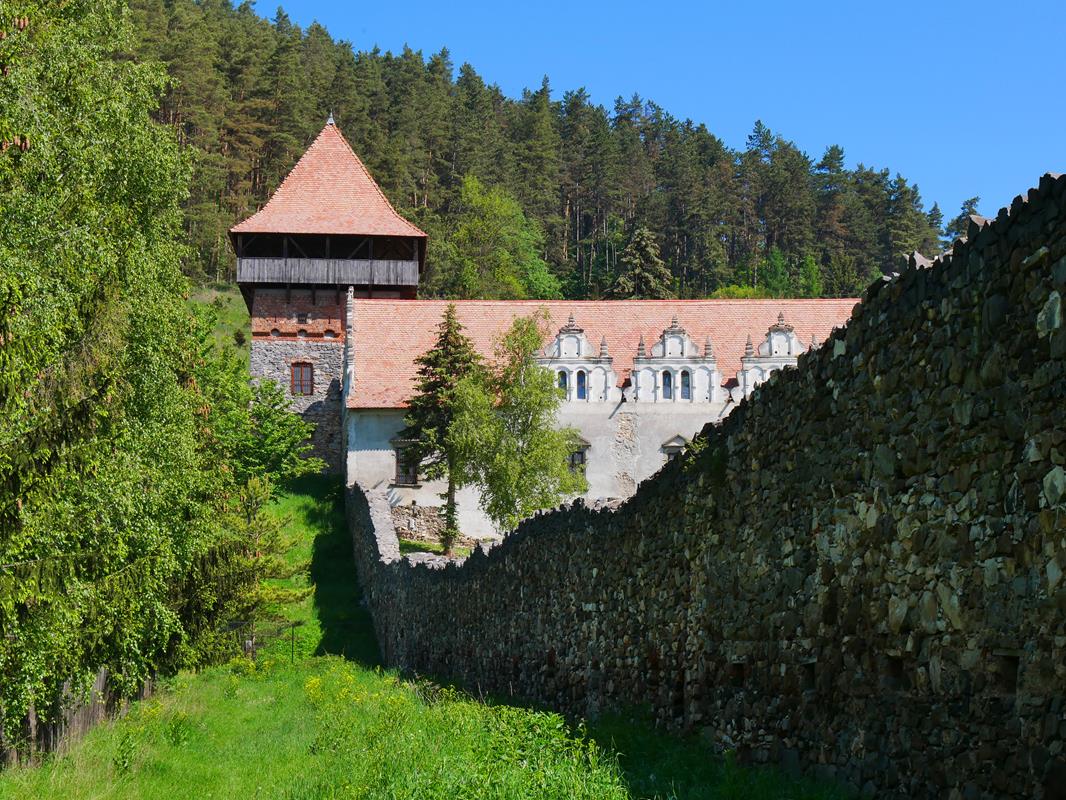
249,94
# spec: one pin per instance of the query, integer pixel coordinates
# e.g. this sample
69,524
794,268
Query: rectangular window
302,380
302,317
406,468
578,459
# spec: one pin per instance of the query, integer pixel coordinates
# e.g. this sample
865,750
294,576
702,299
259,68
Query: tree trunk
450,532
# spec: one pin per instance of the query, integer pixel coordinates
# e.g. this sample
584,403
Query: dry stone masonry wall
860,571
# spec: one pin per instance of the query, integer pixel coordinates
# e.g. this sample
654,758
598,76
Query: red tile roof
390,334
329,191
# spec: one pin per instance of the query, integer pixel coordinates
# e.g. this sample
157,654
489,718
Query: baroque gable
781,348
675,370
585,374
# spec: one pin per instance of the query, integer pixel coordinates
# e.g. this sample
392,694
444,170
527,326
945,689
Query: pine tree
644,276
431,414
250,93
539,161
958,226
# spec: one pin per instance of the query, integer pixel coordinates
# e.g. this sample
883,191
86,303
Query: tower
326,228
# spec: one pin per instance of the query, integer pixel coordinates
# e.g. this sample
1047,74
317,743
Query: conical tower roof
329,191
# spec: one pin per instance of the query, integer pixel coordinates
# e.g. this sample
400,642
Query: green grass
415,546
232,314
335,725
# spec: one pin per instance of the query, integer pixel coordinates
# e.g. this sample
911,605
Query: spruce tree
644,276
431,414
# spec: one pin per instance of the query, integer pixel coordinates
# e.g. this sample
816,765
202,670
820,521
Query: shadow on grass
659,764
347,630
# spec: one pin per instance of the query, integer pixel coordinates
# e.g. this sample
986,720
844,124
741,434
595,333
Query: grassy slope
335,725
232,314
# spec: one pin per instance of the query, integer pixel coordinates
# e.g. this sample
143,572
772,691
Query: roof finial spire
603,347
641,349
708,348
780,317
329,120
749,348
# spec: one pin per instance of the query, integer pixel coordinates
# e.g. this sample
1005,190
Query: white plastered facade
631,429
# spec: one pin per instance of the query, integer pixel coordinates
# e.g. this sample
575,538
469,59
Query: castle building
330,271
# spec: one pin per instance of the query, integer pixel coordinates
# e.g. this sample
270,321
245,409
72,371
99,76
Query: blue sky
963,98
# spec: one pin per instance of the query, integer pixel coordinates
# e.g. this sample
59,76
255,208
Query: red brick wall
274,309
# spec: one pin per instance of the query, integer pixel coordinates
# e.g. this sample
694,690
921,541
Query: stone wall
858,572
272,358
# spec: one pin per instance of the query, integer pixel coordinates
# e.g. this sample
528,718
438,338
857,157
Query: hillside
248,95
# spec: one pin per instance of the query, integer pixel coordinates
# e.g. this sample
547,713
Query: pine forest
531,197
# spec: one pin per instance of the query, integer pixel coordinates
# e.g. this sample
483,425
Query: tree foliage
643,274
494,252
432,411
249,94
125,436
961,224
505,430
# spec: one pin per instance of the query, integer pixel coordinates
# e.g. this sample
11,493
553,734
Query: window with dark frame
302,317
406,467
668,386
578,459
582,385
686,385
302,379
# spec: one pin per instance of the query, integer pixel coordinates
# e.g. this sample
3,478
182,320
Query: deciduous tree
505,430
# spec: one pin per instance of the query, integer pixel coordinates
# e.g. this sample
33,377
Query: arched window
686,385
668,386
302,378
562,380
582,387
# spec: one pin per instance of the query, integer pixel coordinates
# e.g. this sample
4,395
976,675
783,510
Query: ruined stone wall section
859,571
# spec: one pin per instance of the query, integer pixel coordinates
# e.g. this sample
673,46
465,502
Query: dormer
583,374
781,348
675,371
674,342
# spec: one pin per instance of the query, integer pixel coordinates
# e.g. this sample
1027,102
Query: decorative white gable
781,348
675,371
586,375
